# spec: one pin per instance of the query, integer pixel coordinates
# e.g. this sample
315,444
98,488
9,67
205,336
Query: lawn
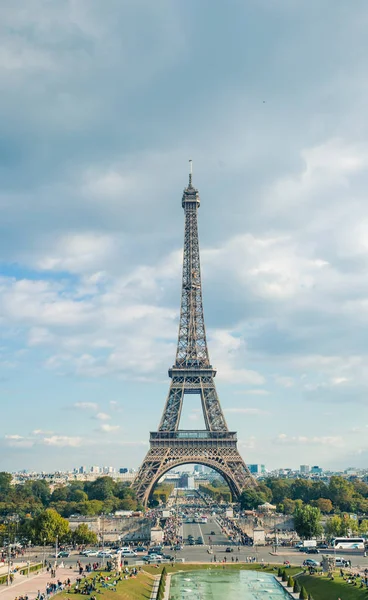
322,588
138,588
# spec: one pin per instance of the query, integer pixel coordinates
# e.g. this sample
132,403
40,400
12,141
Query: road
200,554
203,530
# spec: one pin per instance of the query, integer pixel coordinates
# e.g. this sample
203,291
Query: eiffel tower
215,446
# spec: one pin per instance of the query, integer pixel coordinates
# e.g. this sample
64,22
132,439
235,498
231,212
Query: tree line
337,496
89,498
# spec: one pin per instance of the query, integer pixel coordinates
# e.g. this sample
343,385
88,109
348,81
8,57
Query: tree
324,504
334,526
280,489
101,489
341,493
290,582
49,525
284,576
301,489
5,483
83,535
363,528
307,521
303,594
251,498
288,506
77,495
296,588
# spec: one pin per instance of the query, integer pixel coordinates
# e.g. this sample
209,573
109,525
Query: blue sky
102,105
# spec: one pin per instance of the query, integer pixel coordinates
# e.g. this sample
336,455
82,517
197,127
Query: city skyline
97,132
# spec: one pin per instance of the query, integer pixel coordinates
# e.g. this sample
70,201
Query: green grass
138,588
322,588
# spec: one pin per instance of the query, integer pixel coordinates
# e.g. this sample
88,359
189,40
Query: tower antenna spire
190,171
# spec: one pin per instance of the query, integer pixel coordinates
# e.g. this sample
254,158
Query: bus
344,543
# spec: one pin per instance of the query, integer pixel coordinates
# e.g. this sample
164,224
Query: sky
102,104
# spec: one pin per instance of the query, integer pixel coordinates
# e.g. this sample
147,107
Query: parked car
228,549
64,554
140,549
128,554
312,551
156,550
178,547
341,562
323,545
200,541
191,542
309,562
152,558
104,554
212,533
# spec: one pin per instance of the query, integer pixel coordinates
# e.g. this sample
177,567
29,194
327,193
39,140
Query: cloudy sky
102,104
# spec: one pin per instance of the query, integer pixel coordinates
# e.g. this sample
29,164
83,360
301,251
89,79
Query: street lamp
44,553
56,550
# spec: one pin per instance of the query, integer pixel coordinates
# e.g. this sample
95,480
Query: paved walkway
31,585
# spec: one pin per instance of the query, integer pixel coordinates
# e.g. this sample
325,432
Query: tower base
214,449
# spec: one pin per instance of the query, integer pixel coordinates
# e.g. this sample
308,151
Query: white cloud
247,411
41,432
86,405
301,440
107,428
102,416
286,382
62,441
251,392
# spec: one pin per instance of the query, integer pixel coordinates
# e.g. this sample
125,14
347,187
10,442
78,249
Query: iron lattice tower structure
192,373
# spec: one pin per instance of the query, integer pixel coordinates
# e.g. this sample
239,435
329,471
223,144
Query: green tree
341,493
301,489
77,495
334,526
363,528
60,494
287,506
324,504
49,525
251,498
101,489
284,576
296,588
303,594
280,489
307,521
5,483
83,535
290,582
91,507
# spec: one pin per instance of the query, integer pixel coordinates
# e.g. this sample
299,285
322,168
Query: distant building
199,469
123,470
95,470
316,470
82,470
304,469
257,469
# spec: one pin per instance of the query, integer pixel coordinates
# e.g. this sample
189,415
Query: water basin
217,584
